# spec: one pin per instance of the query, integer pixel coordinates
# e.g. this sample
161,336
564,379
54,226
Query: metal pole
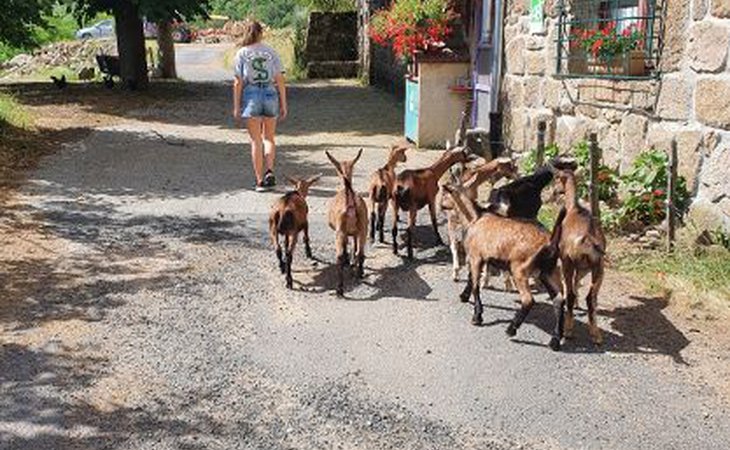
540,157
671,187
595,158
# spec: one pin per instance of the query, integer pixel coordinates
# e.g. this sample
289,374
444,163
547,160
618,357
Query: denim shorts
260,100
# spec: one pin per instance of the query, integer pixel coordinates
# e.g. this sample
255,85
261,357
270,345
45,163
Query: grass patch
697,271
13,114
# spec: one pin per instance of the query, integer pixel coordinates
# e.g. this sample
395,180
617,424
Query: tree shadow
314,107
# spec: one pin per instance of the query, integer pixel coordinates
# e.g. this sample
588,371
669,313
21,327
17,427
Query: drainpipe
497,55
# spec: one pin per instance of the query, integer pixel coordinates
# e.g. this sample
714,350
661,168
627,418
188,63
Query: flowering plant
411,25
607,43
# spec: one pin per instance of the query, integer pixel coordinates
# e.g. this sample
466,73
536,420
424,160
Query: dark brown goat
382,182
288,217
582,249
415,189
521,246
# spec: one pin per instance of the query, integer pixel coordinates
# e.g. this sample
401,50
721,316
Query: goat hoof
464,298
340,292
511,330
555,344
476,321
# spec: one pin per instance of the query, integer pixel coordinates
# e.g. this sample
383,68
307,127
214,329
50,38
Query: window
616,39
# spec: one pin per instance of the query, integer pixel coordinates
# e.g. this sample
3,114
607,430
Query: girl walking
259,97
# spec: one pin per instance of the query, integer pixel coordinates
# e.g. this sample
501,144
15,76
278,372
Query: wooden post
671,187
593,187
540,157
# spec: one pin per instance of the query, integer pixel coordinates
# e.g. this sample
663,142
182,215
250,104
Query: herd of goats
502,235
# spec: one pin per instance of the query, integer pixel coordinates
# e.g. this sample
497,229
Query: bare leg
254,126
269,126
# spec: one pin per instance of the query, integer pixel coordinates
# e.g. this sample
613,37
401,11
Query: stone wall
690,101
331,49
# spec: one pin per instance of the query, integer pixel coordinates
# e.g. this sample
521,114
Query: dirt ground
141,309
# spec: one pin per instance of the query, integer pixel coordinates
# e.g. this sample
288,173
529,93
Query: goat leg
592,301
409,231
280,258
394,230
455,260
464,296
475,269
307,245
372,223
523,286
570,295
381,222
559,310
432,212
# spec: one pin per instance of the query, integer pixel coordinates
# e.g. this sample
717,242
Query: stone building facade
689,101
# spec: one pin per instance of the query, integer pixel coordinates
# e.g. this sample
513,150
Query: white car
103,29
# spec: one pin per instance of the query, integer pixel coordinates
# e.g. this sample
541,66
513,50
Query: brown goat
288,217
382,182
521,246
582,248
470,180
348,217
415,189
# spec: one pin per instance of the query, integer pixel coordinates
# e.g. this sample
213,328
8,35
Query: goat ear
291,180
359,154
334,162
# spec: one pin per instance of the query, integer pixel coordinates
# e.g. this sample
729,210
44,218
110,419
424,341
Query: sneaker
260,187
269,179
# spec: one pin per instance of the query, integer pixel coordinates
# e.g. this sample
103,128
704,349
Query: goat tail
286,222
403,197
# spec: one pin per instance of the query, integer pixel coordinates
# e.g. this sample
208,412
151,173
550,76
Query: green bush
329,5
644,195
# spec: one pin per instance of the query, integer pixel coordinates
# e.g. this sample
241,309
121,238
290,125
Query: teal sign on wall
537,17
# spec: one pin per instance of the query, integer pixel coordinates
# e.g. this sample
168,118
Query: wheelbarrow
109,66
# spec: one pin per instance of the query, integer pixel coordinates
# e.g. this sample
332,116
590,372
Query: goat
470,180
582,247
60,83
348,217
521,198
415,189
288,217
521,246
381,189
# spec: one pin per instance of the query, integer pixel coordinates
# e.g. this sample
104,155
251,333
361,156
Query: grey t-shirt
257,63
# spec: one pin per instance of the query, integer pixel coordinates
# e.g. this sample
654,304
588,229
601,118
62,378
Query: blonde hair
252,32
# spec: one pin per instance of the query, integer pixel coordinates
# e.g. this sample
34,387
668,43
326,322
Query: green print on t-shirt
260,71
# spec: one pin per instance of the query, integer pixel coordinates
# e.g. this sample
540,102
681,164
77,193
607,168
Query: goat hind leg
523,287
592,301
381,221
432,212
394,230
291,242
552,284
476,265
409,231
307,245
569,277
342,257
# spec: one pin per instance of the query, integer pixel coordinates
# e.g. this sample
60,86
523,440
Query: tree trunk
166,64
131,45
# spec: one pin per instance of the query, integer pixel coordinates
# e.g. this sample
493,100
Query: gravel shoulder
142,309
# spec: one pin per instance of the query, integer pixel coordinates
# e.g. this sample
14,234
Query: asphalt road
162,322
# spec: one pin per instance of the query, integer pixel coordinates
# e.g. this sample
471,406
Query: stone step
333,69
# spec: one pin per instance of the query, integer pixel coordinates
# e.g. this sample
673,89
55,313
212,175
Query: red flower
658,193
